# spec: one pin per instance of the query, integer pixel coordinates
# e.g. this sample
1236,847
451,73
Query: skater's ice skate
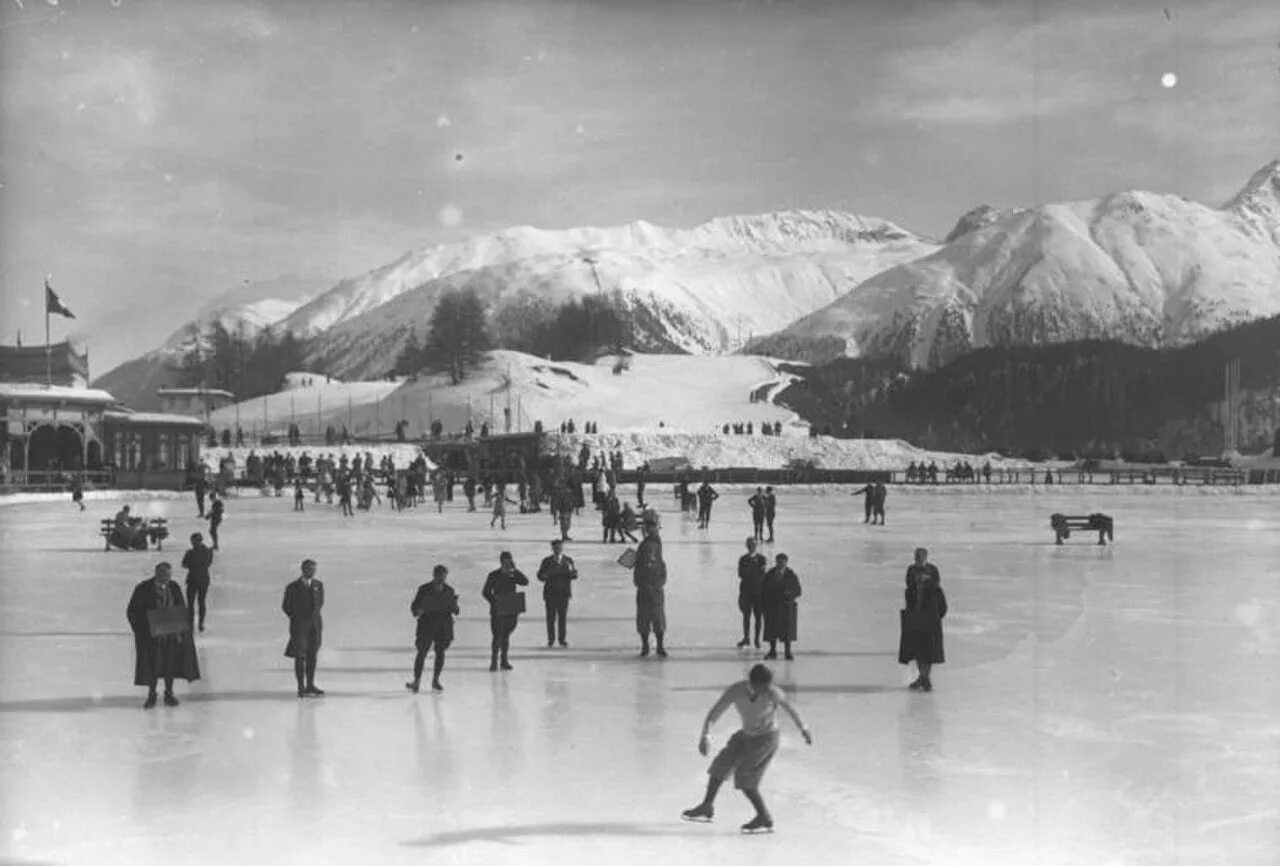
702,813
758,824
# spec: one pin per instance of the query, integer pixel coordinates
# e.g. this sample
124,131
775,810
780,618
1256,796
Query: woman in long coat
168,657
778,594
926,606
435,605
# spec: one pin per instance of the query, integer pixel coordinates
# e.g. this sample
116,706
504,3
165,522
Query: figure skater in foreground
749,750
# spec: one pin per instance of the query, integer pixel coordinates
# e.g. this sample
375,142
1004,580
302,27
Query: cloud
1050,60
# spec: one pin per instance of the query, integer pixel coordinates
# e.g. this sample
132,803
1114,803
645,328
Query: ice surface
1115,705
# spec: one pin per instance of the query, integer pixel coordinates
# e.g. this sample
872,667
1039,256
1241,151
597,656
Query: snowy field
1115,705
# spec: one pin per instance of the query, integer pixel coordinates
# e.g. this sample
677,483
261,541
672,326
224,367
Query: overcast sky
156,154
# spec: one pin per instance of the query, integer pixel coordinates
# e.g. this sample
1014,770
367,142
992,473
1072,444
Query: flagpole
48,352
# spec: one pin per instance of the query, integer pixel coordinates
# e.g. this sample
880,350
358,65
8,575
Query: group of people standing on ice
767,600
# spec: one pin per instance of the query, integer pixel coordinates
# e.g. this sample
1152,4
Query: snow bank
774,452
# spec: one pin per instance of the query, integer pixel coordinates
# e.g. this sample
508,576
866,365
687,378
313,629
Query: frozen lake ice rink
1115,705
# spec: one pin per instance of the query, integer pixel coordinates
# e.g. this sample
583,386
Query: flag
53,304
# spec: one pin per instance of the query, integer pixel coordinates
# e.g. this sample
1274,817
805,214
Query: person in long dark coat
650,578
926,606
197,562
502,581
778,596
168,657
434,606
303,600
557,573
751,569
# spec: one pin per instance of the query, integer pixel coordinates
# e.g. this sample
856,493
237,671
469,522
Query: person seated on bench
1063,524
127,531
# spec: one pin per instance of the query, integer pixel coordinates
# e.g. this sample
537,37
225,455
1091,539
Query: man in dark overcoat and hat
167,656
303,599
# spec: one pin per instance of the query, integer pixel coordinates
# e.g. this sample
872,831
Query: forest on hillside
1074,399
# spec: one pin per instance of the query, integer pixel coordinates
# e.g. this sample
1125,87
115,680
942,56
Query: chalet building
62,366
150,449
51,432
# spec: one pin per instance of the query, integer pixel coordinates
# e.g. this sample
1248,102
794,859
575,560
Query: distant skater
197,562
868,492
504,607
299,500
434,606
303,600
706,496
163,648
877,505
770,510
778,597
557,573
650,578
751,569
201,487
500,503
922,615
750,750
77,491
215,517
756,502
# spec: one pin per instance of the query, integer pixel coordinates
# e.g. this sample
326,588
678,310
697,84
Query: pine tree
457,336
409,361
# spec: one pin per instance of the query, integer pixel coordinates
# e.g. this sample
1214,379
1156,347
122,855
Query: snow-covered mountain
704,289
253,305
1142,268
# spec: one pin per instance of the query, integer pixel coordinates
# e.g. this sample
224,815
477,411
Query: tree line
1085,399
459,332
248,366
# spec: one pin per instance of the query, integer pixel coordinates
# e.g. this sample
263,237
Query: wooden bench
1062,525
154,531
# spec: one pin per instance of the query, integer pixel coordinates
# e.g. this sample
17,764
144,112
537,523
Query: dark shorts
747,757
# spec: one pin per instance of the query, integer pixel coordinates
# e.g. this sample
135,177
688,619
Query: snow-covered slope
703,289
1147,269
663,406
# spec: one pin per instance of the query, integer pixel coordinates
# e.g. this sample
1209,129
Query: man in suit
502,582
303,600
557,573
197,561
751,571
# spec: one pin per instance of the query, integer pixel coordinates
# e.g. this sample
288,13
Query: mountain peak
980,217
1258,202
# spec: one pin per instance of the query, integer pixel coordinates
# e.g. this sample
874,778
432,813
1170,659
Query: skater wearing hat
650,579
197,561
164,649
557,573
434,606
303,600
749,750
